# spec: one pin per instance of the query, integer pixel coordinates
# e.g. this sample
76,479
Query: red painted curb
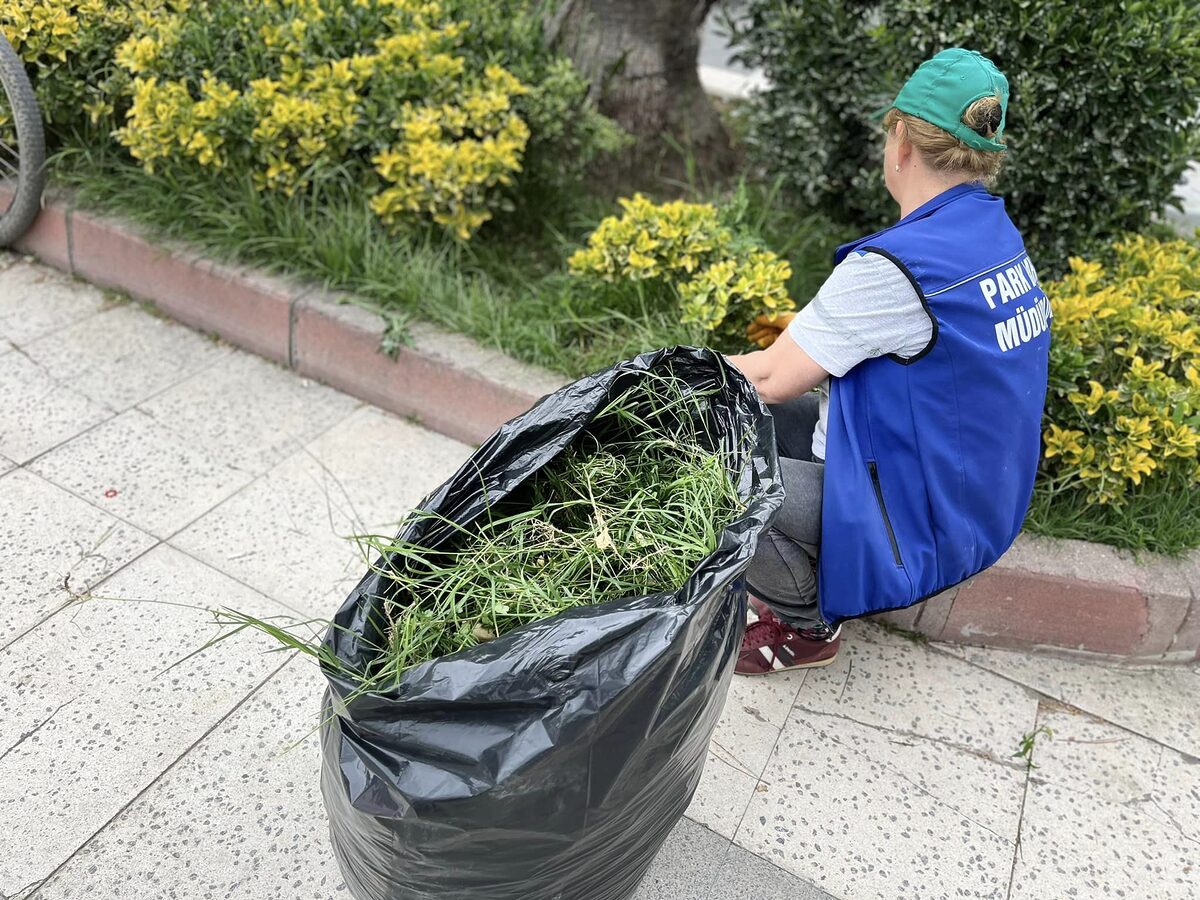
49,236
339,345
1011,608
1069,597
244,307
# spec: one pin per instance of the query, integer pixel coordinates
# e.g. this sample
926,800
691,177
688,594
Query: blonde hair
946,153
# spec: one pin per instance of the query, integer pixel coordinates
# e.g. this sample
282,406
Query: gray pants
783,571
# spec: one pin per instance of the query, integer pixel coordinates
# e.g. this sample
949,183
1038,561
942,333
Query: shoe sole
812,665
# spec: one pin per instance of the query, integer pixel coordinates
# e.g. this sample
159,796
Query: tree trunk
640,57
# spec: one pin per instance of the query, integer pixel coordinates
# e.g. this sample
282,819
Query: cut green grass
630,509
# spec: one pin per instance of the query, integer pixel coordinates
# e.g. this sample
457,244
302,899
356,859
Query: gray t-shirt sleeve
866,308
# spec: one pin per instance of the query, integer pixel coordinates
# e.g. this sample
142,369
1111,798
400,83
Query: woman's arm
781,372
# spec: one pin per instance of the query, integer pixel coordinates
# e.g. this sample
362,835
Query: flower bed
1123,414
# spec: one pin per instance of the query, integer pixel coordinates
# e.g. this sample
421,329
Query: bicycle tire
31,145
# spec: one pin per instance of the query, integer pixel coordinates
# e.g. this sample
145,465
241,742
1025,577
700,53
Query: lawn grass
507,288
1163,517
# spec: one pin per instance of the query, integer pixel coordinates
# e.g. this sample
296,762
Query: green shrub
1102,120
687,257
1123,412
444,112
68,47
281,87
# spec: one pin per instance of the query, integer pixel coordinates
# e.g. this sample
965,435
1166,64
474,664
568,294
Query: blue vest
930,460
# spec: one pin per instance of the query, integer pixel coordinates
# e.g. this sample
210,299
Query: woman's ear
904,148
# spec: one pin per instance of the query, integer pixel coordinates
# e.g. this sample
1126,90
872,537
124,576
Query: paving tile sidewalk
142,463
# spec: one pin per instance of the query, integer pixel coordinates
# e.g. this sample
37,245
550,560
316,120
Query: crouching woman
912,467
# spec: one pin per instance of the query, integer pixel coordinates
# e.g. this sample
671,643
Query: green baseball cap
943,87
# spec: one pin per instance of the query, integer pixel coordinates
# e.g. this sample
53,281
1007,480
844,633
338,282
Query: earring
897,168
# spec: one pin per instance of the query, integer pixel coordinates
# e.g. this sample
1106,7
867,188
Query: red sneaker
771,645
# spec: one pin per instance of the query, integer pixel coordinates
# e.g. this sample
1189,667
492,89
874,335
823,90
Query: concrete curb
1064,597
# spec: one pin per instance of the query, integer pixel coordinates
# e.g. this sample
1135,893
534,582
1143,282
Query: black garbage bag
552,762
